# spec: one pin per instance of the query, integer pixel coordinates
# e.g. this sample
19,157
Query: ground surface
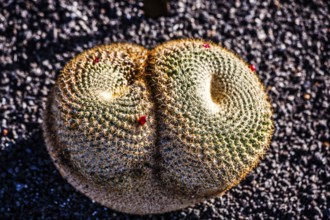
288,43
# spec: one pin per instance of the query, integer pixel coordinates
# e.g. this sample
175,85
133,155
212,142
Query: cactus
154,131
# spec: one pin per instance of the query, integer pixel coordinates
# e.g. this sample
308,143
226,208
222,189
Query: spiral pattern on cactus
153,131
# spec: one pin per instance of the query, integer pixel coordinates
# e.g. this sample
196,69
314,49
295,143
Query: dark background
287,42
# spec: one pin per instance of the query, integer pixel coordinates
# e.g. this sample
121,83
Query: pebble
4,132
307,96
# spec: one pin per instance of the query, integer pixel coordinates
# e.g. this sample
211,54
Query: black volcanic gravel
287,42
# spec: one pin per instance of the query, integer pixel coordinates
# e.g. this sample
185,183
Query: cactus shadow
32,187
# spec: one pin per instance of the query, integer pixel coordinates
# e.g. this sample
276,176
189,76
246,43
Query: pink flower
142,120
252,67
96,60
207,46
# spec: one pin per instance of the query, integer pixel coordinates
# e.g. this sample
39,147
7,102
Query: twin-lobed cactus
153,131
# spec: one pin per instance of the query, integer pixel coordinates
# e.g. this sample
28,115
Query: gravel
287,42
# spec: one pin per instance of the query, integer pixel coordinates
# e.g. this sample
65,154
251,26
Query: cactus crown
149,132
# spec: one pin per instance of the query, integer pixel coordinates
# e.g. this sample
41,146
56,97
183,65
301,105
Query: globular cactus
154,131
